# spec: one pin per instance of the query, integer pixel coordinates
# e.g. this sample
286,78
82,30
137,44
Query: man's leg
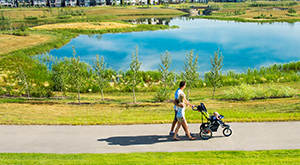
173,123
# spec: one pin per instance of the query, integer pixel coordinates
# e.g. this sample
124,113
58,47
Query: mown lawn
202,157
119,109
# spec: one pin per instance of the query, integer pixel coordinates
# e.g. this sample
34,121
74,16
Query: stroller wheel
205,133
227,132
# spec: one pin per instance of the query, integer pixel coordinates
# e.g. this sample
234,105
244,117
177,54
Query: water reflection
244,45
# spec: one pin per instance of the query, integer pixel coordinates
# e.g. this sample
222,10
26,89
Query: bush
2,91
31,18
292,11
292,14
64,16
41,92
162,94
8,88
20,33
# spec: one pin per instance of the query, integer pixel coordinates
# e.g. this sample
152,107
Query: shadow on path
143,140
136,140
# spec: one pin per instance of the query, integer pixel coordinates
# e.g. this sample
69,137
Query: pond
243,45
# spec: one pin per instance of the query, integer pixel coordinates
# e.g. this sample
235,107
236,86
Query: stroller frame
211,125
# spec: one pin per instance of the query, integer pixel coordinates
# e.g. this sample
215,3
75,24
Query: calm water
243,45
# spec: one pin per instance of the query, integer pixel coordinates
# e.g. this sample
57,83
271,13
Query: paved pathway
144,138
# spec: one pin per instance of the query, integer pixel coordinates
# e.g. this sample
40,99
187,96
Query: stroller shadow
145,140
136,140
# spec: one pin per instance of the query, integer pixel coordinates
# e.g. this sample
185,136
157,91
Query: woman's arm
176,102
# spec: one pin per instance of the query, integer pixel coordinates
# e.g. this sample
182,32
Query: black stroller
211,125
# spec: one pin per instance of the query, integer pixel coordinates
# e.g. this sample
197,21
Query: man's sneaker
190,134
171,133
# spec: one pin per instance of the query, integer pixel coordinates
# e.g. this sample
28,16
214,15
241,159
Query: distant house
229,0
8,3
55,3
70,2
97,2
27,3
85,3
39,3
113,2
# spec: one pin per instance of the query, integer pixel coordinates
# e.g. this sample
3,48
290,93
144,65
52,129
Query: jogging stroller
211,125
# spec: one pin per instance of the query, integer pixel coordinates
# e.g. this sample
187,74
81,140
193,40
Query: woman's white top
180,112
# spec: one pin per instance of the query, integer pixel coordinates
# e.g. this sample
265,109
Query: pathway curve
144,138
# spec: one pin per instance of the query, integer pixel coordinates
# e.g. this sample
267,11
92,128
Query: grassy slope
119,110
208,157
10,43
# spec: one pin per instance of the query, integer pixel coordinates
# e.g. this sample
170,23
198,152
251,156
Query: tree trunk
62,93
102,94
133,95
79,96
188,93
214,92
27,90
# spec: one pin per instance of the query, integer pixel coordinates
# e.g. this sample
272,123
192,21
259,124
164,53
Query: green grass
202,157
119,109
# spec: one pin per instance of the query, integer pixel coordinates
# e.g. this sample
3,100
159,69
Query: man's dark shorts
175,118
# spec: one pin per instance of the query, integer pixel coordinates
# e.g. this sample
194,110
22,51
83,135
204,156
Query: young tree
100,68
78,71
214,76
21,75
135,66
190,68
60,75
163,93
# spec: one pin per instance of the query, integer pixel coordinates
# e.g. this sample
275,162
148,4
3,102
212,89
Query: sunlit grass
202,157
83,25
119,109
10,42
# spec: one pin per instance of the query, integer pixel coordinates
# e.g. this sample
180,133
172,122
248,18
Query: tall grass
247,92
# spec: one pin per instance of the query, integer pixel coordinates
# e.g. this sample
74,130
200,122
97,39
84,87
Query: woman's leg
186,129
179,120
176,131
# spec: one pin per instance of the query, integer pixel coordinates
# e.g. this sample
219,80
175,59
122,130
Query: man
182,85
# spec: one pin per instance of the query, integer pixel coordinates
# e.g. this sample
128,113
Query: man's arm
188,103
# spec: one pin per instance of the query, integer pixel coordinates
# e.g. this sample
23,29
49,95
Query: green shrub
239,12
292,11
64,16
31,18
8,88
20,33
162,94
41,92
292,14
2,91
